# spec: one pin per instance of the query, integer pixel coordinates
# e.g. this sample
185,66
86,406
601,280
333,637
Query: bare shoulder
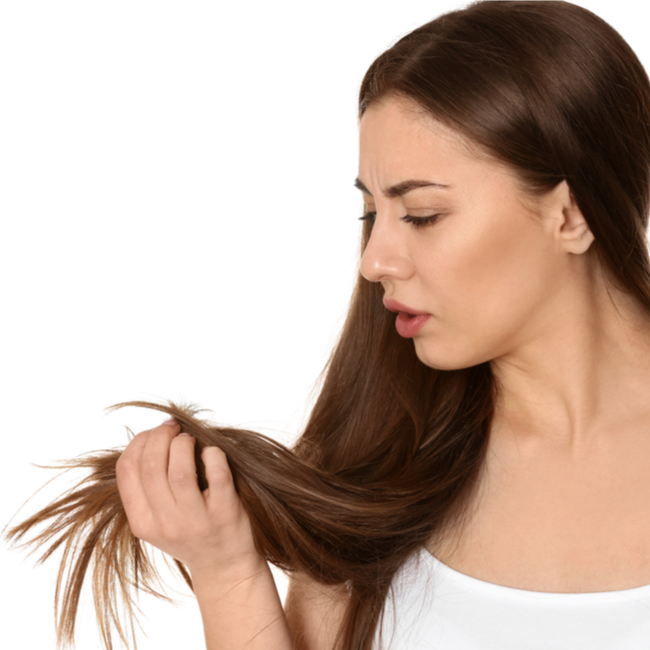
314,612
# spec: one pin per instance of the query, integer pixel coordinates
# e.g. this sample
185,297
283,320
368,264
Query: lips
409,321
397,307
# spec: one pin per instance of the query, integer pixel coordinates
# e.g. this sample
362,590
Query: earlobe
573,232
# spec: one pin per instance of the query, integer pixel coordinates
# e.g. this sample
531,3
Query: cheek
497,264
486,282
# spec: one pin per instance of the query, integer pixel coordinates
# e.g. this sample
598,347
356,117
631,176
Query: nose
385,256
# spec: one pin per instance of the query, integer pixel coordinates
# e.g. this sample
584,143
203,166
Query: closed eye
416,222
421,222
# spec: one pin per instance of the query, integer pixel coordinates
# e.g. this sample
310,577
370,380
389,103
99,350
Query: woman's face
483,262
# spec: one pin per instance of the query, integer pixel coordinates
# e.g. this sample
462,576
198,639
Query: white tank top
437,608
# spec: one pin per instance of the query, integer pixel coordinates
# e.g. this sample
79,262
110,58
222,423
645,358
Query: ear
570,229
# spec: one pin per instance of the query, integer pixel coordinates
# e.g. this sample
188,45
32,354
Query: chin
444,358
436,360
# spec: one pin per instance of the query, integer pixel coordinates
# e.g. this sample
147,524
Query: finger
182,475
154,464
221,494
129,485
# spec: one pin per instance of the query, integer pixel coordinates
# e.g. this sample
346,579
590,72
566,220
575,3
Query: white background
177,221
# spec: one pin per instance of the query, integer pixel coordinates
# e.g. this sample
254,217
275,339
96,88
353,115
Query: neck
579,373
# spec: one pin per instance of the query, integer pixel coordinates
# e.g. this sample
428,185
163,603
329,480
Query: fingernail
182,433
170,422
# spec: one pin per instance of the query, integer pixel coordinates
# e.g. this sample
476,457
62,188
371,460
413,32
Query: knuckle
182,478
124,465
148,468
219,477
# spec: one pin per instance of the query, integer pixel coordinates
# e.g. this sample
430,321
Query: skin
512,279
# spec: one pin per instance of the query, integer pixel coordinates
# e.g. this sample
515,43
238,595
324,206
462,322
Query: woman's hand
208,531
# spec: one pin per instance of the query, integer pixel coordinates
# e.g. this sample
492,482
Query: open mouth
408,324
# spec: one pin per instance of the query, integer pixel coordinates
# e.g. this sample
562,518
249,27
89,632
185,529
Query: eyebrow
401,188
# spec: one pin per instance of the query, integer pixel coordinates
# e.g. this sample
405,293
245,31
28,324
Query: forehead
398,140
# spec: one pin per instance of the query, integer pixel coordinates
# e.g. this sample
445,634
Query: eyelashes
416,222
369,216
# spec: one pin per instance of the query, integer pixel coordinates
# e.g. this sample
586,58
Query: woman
489,441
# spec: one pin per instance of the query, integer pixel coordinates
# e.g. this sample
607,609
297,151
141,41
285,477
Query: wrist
217,578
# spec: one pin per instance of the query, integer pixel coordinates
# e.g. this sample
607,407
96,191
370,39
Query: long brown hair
393,449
